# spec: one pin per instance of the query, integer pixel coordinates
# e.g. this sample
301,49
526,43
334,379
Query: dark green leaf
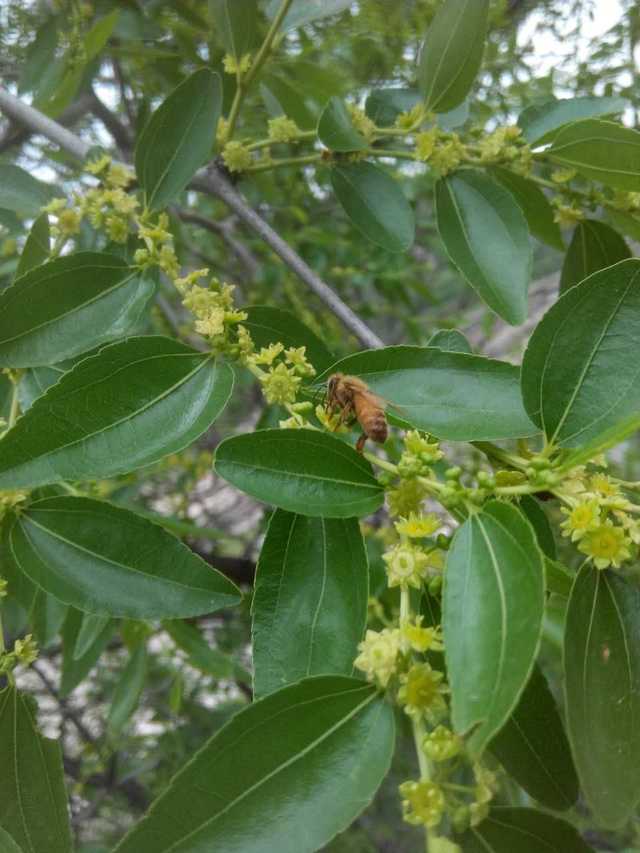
21,192
533,747
7,844
577,378
541,123
90,630
282,98
269,325
454,395
68,306
88,425
492,618
47,616
202,655
35,382
487,238
602,684
383,106
104,559
450,340
36,249
33,805
127,693
310,600
336,130
376,205
178,138
559,578
537,517
593,247
76,667
235,22
452,53
515,830
300,470
534,204
287,773
600,150
304,11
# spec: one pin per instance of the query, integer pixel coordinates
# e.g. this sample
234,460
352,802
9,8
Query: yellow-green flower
607,545
282,129
280,385
406,566
423,803
26,650
412,118
417,526
236,156
378,655
426,143
584,517
422,691
3,587
421,639
268,355
406,498
298,360
603,485
69,222
232,66
442,744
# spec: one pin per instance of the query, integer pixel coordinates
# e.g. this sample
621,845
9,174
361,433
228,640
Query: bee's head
332,384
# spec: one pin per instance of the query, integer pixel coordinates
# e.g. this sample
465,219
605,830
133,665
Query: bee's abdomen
376,427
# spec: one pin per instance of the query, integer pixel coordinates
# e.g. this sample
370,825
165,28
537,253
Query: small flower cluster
237,66
361,122
282,129
505,145
25,651
212,306
236,156
286,369
11,499
442,150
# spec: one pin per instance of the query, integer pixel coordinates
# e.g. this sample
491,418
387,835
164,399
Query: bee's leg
345,413
361,442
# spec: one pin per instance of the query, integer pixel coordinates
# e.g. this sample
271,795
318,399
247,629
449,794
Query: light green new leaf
305,11
593,247
300,470
578,380
235,22
452,53
69,306
534,204
493,606
89,425
602,690
486,236
36,248
511,830
202,655
310,600
269,325
21,192
541,123
33,805
450,340
106,560
287,773
336,130
600,150
376,205
178,138
453,395
128,689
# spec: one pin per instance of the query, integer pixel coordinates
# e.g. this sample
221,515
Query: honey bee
353,398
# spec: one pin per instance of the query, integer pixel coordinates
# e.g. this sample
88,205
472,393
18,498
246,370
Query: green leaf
7,844
39,56
602,442
21,192
202,655
269,325
47,616
541,123
452,53
34,382
310,600
533,747
330,741
76,666
235,22
33,806
602,691
90,630
508,830
450,340
492,618
600,150
486,237
454,395
88,425
336,130
106,560
537,517
577,378
559,578
68,306
305,11
534,205
593,247
383,106
127,693
36,248
178,138
283,99
300,470
376,205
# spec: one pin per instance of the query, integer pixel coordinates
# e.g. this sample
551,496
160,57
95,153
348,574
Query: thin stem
15,406
285,161
381,463
267,143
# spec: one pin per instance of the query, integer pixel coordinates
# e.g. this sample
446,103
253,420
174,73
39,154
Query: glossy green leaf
68,306
602,691
450,340
90,629
302,470
383,106
76,666
559,578
602,442
516,830
310,600
287,773
178,138
486,237
88,425
593,247
452,53
538,519
534,204
454,395
534,750
202,655
33,805
34,382
492,618
600,150
577,378
375,203
21,192
281,98
104,559
268,325
7,844
47,617
128,689
624,222
235,22
305,11
336,130
541,123
36,248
